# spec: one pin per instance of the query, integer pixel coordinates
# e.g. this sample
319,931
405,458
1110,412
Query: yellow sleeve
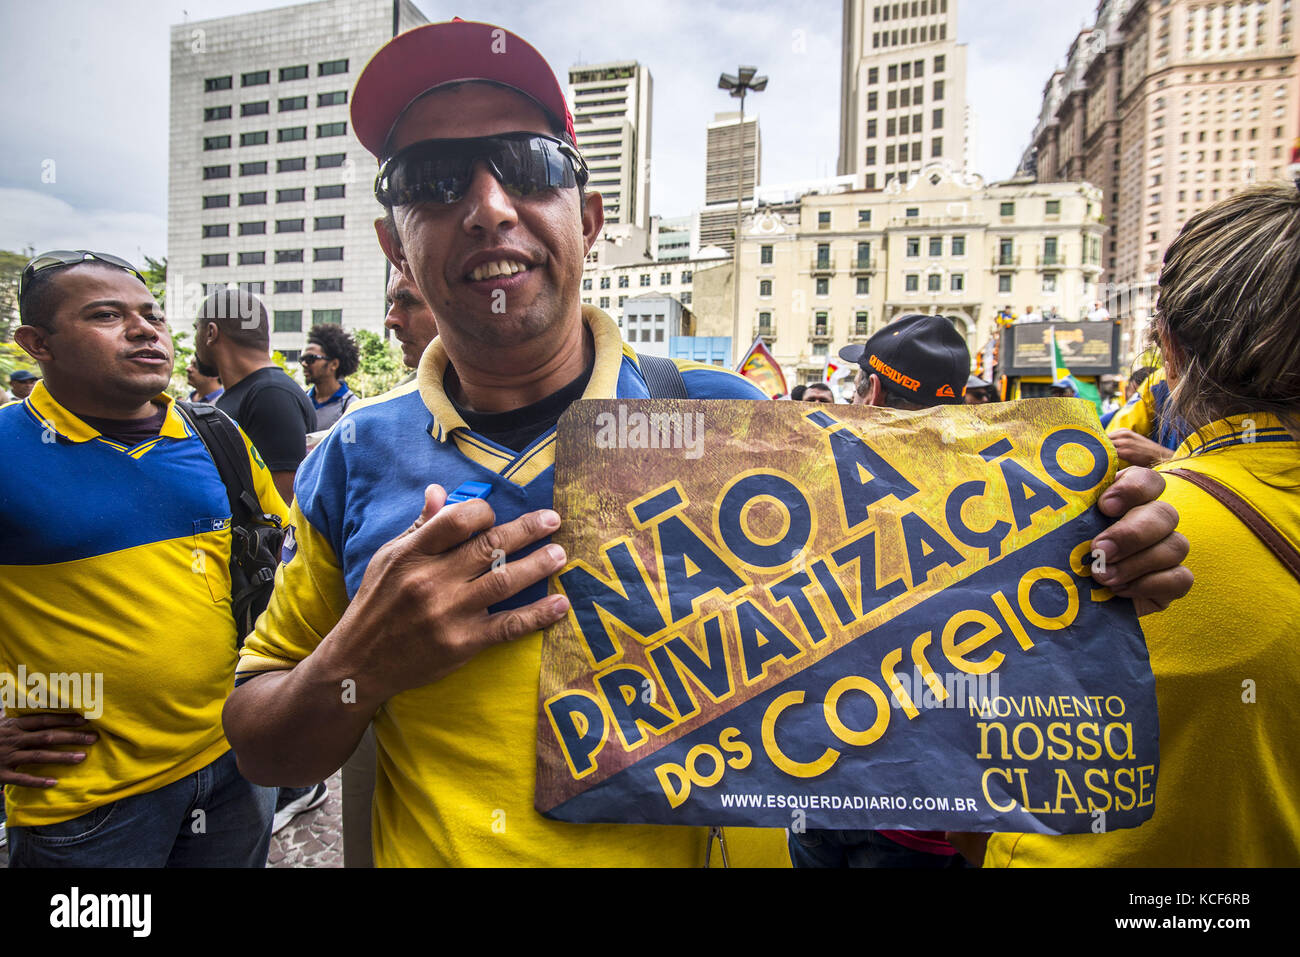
263,485
309,599
1139,413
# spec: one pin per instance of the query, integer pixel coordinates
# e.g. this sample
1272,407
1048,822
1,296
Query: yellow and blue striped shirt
114,562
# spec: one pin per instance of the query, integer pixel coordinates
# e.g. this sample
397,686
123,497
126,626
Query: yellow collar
610,350
1234,430
55,417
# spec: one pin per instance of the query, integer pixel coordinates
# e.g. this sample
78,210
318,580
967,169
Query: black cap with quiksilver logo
920,358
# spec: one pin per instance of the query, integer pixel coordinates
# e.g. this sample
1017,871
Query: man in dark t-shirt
232,338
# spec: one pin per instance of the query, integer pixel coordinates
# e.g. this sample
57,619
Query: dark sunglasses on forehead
440,171
68,257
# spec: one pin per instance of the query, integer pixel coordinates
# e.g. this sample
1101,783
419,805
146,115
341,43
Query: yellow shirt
115,589
1226,661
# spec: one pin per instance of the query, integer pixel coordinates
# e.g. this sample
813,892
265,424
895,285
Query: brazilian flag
1084,390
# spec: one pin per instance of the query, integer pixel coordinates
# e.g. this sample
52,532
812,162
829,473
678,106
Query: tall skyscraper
268,189
902,89
611,116
728,147
1169,107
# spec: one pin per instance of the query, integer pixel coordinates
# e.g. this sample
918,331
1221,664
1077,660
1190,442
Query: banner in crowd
840,617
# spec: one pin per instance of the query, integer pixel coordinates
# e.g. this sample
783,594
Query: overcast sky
86,94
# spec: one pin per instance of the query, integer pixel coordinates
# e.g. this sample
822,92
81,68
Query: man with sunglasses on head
395,604
115,544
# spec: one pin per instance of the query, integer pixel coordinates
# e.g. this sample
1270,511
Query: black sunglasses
308,359
440,171
69,257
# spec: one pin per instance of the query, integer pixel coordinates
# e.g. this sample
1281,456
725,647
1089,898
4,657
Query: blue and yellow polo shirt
114,567
1145,413
1226,660
457,758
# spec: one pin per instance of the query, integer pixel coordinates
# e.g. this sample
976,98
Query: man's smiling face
496,269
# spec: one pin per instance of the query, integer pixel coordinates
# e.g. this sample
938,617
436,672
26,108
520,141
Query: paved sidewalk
314,839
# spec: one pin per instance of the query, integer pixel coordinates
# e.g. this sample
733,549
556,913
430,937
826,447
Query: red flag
761,366
837,369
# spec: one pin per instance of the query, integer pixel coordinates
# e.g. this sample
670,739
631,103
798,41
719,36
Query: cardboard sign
795,616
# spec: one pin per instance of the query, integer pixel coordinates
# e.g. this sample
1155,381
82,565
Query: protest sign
840,617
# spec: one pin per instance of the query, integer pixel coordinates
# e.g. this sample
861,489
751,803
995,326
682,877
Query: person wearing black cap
915,362
492,223
21,384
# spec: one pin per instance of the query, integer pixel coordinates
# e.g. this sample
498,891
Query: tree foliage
155,277
11,268
381,364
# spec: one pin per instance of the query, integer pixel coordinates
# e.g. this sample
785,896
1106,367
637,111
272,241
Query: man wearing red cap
432,627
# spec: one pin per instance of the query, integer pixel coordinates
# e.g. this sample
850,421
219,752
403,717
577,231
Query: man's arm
284,484
273,420
419,614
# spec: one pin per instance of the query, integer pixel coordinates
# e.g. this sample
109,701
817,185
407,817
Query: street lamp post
738,85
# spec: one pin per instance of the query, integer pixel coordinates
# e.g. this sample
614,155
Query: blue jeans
211,818
817,848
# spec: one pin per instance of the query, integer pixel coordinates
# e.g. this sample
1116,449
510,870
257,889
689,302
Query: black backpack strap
224,443
662,377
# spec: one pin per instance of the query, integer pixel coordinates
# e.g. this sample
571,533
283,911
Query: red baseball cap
413,63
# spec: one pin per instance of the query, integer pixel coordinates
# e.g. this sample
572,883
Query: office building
730,152
902,90
835,266
1168,106
268,188
611,117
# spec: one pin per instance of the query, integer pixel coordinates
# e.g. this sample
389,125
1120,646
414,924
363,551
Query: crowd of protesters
117,560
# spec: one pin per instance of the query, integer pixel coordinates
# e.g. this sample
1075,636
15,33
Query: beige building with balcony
836,267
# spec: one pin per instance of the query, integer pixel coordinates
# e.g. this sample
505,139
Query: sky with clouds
86,85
